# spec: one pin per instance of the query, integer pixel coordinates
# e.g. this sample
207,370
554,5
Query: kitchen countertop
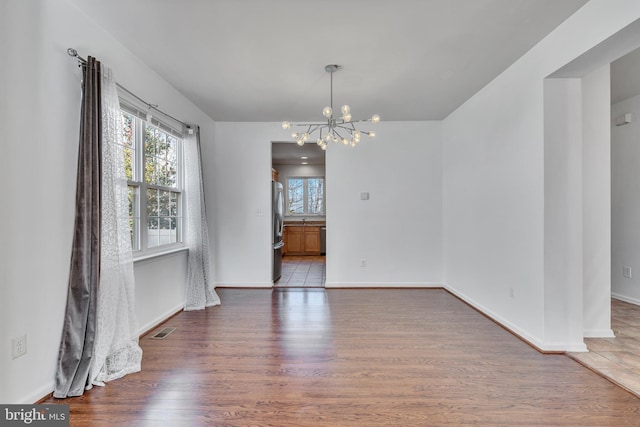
300,223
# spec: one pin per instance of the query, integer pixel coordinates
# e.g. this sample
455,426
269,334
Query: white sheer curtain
116,351
199,292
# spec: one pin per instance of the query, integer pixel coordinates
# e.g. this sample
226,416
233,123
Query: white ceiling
285,153
263,60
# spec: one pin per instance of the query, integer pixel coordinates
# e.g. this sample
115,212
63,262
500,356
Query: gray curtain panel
78,335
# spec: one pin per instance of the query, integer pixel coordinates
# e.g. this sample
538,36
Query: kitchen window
305,196
153,163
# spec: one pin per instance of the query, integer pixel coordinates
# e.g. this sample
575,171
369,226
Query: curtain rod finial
72,52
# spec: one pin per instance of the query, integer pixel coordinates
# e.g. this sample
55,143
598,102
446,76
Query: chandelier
341,129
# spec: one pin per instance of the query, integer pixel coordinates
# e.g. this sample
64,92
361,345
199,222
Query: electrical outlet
363,262
18,346
626,271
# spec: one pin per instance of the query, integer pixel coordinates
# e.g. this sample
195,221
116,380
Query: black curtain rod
83,62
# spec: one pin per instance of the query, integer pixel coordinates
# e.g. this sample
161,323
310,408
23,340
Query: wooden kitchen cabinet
294,240
302,240
311,240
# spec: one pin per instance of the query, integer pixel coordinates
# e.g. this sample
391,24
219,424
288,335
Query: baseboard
39,395
158,320
599,333
45,391
539,345
624,298
243,284
382,285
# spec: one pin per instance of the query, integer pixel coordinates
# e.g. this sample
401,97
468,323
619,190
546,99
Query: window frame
140,240
305,196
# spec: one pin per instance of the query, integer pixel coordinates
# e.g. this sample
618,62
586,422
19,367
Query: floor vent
163,333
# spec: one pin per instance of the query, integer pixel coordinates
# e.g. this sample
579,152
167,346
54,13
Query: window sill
159,253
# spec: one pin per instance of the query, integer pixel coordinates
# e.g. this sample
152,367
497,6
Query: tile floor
617,358
302,272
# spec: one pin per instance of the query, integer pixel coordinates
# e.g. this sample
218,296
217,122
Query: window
305,196
153,162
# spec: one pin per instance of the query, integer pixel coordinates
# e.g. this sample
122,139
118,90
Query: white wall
398,230
563,238
40,109
625,187
240,166
596,199
494,173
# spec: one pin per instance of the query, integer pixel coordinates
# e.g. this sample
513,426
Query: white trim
624,298
159,119
268,285
48,388
336,285
41,393
524,335
158,320
167,251
599,333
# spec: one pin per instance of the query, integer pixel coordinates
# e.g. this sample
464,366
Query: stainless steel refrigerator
277,206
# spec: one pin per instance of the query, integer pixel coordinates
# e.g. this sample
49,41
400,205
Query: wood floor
340,357
617,358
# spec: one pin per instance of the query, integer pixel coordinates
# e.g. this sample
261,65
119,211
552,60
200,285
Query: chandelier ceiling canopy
339,130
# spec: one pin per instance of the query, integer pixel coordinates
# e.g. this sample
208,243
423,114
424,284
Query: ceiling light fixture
336,130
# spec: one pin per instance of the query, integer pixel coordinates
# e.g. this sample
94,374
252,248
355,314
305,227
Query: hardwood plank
338,357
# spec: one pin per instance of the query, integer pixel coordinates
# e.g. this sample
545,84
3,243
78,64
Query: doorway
301,172
610,325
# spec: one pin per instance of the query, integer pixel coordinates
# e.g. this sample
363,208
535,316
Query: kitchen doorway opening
300,171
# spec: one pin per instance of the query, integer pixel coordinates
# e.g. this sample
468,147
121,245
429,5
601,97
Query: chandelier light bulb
338,128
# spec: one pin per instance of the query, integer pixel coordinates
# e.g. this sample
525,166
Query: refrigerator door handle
278,245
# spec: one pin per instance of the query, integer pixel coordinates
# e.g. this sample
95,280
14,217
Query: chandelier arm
333,128
308,124
357,121
348,129
338,133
